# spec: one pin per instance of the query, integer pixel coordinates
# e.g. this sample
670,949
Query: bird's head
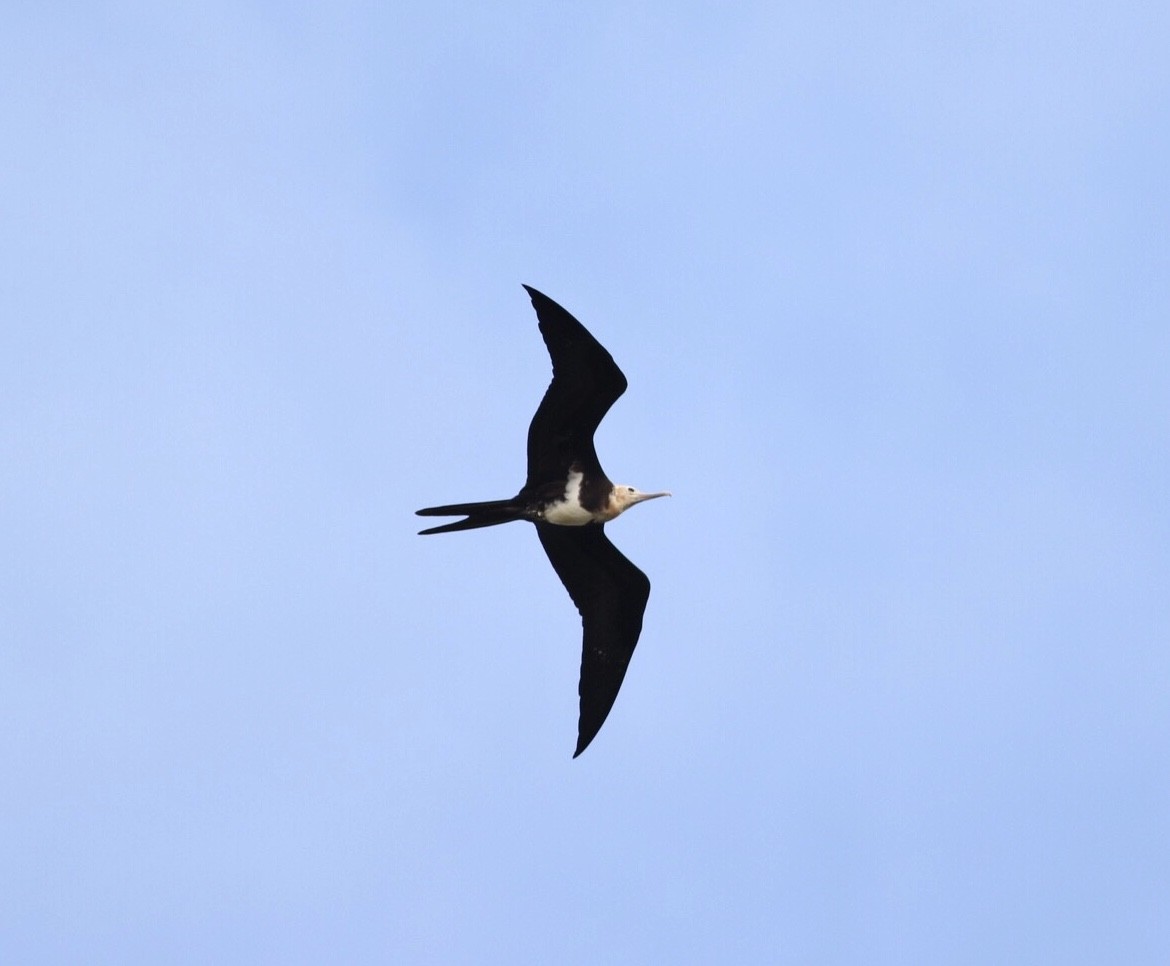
623,497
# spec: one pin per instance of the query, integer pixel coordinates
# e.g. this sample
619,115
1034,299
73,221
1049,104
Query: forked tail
478,515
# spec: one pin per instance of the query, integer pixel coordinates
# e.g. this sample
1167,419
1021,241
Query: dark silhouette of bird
570,499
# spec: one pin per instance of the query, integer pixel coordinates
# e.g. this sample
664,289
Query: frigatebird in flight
570,499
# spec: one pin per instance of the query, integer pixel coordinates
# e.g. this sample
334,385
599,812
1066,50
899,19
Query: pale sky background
891,285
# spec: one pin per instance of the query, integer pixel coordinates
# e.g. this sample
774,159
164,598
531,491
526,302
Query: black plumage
569,498
611,595
586,383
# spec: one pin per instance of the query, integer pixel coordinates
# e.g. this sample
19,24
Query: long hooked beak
642,497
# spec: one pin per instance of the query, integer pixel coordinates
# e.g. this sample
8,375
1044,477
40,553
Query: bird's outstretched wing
586,382
610,594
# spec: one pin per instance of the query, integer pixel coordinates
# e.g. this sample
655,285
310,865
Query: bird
570,500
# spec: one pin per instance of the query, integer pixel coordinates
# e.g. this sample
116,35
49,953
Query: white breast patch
569,512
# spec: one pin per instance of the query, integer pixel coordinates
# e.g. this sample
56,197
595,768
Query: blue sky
891,286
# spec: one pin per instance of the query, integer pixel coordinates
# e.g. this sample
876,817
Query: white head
623,497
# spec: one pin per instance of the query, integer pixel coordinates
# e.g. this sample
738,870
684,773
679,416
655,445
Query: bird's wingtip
583,742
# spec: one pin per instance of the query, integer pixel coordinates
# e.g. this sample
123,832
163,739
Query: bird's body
570,499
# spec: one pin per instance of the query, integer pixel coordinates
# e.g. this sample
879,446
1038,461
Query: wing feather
586,383
611,595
